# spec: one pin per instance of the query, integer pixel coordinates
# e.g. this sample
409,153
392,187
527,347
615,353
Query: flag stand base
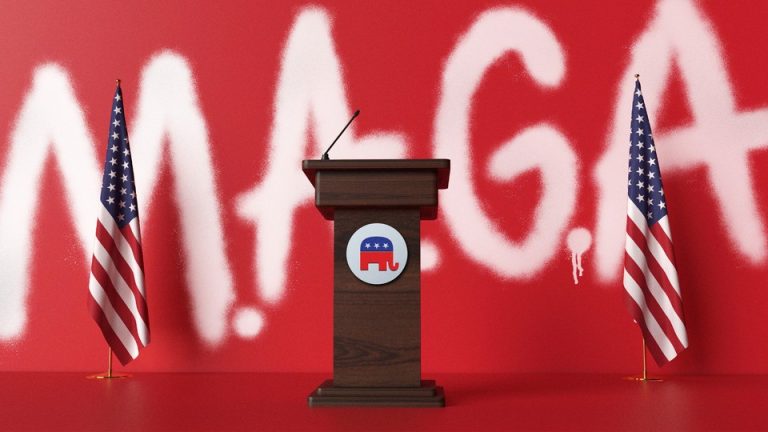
108,375
643,379
644,376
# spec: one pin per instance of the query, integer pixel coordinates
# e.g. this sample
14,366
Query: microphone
325,155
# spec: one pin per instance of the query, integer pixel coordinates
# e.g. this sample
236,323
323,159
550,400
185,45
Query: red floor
277,402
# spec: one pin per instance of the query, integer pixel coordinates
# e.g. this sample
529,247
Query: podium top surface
441,166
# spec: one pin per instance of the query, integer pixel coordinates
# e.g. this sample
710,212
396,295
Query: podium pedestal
377,277
428,395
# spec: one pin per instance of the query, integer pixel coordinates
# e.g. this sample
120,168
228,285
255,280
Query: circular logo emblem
377,254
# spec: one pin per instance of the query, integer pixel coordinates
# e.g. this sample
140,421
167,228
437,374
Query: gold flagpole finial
118,81
637,76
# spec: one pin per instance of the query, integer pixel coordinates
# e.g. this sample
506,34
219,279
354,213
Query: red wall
530,100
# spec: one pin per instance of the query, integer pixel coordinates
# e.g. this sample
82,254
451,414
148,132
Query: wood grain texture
427,395
377,328
377,183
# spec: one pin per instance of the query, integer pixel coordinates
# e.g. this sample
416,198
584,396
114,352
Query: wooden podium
377,325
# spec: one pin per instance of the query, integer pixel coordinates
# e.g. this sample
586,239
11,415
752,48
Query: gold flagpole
109,374
109,360
644,376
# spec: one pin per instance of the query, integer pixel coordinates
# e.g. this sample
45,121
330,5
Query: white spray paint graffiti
578,241
311,89
169,108
542,147
51,120
720,137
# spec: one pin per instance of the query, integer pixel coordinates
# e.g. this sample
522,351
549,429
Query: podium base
427,396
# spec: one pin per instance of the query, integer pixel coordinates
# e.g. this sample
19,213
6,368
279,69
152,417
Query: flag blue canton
118,192
645,188
376,244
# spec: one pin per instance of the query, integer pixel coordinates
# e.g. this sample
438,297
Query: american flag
118,300
650,276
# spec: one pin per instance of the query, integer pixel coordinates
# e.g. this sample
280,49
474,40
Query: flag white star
639,105
118,110
116,123
115,135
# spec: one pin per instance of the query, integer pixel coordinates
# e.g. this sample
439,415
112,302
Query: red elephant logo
377,250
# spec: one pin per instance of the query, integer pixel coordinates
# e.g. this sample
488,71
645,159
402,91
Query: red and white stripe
650,280
118,300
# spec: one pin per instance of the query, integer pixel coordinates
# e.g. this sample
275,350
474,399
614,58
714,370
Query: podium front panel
377,328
